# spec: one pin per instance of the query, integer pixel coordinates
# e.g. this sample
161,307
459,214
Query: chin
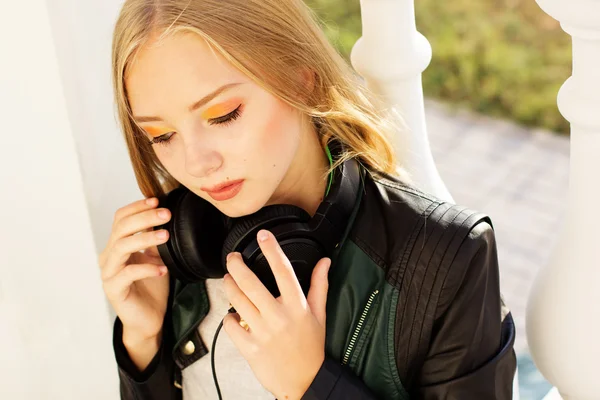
241,206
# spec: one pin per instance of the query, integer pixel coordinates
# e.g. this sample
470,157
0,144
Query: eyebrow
194,106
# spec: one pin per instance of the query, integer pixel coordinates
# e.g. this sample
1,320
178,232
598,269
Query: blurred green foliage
504,58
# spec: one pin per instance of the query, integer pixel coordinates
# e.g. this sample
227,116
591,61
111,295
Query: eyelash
224,120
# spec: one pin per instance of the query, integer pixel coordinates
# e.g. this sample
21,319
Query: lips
221,186
225,191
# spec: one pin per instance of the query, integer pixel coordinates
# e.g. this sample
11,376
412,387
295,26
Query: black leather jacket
438,330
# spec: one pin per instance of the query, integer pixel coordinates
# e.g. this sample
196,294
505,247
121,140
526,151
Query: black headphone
201,237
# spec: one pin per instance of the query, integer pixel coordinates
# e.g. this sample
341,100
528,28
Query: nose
200,160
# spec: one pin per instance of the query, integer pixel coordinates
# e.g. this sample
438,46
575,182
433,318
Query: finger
123,248
317,294
139,222
152,251
123,212
239,336
119,285
250,285
286,279
135,207
241,303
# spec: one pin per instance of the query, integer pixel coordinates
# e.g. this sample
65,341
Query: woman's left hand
285,340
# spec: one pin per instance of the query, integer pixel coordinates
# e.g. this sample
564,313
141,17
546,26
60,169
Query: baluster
390,56
563,313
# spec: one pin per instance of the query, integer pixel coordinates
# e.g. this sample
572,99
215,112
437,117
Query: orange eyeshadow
219,110
155,131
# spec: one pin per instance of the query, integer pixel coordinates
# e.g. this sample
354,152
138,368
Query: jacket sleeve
156,382
471,354
337,382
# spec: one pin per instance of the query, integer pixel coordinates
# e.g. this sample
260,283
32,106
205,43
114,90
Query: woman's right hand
134,277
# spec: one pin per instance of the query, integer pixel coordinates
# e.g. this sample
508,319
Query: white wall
82,33
64,171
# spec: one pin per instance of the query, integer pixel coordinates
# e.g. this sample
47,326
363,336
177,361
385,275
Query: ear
307,78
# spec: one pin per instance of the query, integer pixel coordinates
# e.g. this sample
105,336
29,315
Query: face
210,125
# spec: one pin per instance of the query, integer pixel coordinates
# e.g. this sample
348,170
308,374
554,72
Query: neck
305,182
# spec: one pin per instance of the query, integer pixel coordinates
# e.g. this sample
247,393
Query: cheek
172,162
279,133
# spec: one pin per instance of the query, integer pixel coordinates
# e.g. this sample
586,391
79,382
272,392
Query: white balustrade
390,56
563,313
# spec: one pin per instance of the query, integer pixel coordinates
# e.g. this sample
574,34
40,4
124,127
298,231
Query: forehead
175,72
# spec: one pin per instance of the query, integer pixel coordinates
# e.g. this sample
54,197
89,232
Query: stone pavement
516,175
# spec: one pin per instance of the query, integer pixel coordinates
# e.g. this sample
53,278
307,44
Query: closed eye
226,119
162,139
223,120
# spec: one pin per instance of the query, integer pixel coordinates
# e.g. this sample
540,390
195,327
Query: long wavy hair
269,41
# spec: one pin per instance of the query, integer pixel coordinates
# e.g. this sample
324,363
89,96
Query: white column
64,171
82,33
563,314
390,56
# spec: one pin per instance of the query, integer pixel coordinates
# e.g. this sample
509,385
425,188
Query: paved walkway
516,175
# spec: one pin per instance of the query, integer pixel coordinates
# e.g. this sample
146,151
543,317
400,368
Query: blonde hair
270,41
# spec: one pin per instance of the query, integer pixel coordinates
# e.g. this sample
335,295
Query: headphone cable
212,356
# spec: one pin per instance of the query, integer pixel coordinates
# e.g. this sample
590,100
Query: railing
563,314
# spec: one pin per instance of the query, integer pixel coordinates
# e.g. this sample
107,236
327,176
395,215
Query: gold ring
242,323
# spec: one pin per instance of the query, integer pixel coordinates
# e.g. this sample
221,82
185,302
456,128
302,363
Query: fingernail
162,270
163,214
229,256
151,201
263,235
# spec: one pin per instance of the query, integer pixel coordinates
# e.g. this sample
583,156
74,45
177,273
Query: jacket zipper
358,328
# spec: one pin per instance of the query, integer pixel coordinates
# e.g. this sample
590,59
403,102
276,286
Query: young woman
242,107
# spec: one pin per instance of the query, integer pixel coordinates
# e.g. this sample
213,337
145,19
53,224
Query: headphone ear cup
286,222
196,234
244,229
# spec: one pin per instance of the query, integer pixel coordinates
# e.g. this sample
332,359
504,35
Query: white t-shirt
236,379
